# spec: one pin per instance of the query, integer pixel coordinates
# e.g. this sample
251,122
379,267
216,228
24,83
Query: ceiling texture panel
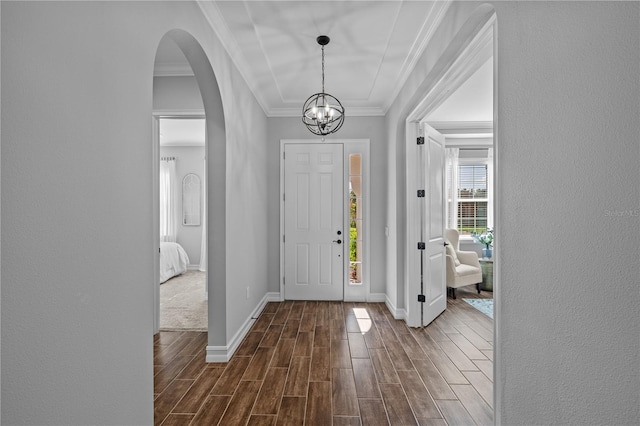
374,48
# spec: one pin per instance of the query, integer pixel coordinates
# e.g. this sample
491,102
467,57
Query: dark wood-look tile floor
333,363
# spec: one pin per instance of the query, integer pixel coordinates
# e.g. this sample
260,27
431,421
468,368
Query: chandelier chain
322,69
322,113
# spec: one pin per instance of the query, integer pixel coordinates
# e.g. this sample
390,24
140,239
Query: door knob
339,232
337,241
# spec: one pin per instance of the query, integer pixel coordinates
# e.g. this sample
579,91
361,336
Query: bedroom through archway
183,225
189,136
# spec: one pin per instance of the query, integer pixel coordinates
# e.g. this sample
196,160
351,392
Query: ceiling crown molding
431,23
213,15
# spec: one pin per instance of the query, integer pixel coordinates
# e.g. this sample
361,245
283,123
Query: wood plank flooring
333,363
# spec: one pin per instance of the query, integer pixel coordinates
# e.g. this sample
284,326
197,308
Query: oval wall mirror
191,200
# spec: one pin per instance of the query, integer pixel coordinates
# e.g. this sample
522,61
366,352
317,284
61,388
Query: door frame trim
156,116
476,52
350,146
485,36
412,278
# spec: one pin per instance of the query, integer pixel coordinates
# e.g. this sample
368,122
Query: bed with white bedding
173,260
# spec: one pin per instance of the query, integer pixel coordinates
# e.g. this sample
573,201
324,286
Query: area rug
183,303
483,305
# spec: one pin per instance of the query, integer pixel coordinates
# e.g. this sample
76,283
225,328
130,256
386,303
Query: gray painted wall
77,323
371,128
176,94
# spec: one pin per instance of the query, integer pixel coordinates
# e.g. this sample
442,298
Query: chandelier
323,113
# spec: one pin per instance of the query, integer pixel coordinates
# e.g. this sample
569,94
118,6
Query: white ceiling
374,47
472,101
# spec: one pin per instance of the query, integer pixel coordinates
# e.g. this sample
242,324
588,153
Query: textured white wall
569,109
0,226
568,98
77,323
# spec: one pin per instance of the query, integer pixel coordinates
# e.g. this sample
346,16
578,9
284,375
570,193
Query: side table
487,274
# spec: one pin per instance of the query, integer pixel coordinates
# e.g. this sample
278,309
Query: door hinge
283,197
420,193
283,240
421,246
421,298
420,140
283,283
283,155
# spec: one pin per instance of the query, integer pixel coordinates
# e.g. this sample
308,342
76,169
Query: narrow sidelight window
356,207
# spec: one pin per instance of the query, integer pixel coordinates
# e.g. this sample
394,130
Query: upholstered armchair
463,267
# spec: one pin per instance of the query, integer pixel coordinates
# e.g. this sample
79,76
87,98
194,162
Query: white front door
433,223
314,237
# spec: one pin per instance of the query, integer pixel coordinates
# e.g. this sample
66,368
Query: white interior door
433,225
314,237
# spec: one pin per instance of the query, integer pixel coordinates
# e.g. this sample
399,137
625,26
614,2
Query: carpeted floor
183,305
483,305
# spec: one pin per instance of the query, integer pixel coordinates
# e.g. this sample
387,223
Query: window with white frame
469,190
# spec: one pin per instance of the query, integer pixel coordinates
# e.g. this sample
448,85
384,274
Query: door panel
302,260
435,291
302,201
313,216
433,222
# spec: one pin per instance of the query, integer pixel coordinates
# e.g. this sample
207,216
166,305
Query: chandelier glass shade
323,113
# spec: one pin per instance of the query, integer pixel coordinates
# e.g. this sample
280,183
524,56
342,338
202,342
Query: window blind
472,198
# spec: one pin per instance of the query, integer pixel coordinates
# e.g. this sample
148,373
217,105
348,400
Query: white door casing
314,236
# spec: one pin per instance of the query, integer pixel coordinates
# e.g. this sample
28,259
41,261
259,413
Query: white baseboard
274,296
218,354
377,298
224,353
371,298
396,312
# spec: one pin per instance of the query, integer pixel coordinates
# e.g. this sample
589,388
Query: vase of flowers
486,239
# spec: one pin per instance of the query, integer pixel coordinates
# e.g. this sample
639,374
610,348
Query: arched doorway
215,184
